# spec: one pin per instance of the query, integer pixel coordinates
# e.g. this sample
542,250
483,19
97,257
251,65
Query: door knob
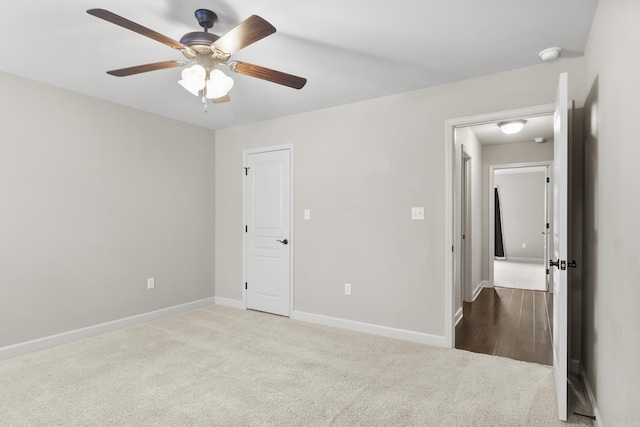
284,242
554,264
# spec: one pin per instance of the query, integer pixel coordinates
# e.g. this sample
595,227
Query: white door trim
449,213
492,168
292,240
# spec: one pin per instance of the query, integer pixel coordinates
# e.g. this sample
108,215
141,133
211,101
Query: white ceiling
348,50
535,127
519,170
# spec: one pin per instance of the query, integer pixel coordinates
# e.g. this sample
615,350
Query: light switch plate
417,213
307,214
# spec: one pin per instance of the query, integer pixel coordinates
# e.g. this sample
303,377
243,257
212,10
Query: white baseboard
385,331
478,289
458,315
65,337
228,302
592,397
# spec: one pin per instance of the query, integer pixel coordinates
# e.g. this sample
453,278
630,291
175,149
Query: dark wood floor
508,322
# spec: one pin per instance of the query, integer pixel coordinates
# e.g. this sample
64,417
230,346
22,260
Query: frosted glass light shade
512,127
193,79
218,84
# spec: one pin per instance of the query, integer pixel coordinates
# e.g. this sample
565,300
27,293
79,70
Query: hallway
507,322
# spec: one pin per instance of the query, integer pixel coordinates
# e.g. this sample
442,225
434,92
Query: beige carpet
218,366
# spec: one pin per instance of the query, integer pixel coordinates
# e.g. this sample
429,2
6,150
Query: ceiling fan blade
249,31
268,74
221,99
123,72
130,25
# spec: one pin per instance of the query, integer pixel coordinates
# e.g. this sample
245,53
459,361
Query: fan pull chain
204,101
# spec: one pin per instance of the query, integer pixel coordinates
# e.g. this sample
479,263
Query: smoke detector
550,53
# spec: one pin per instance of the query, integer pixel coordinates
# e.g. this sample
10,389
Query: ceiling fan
206,53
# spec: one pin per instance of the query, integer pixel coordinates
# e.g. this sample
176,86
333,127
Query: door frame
548,164
292,240
451,217
465,239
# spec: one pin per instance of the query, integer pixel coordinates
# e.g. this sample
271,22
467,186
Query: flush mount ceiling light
511,127
550,53
539,139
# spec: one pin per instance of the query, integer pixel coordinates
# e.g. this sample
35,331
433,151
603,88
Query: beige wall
522,203
95,198
360,168
612,208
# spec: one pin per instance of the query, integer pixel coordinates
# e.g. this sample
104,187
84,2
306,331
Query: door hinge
547,271
246,228
245,286
548,179
547,226
451,248
246,171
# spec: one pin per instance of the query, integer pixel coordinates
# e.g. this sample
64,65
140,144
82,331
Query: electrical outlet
347,288
417,213
151,283
524,246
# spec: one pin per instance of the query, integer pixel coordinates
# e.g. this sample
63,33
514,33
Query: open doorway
507,321
520,225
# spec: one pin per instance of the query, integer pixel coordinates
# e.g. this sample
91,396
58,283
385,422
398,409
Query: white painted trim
66,337
385,331
459,315
450,125
478,289
592,397
232,303
292,240
449,236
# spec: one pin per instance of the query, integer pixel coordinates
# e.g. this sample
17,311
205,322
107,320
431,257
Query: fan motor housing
199,39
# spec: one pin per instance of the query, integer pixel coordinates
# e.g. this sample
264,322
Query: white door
547,230
560,229
267,245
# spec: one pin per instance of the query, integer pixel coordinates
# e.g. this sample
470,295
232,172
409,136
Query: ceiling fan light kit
206,53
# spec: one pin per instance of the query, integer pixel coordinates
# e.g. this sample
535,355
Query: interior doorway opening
520,224
472,266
